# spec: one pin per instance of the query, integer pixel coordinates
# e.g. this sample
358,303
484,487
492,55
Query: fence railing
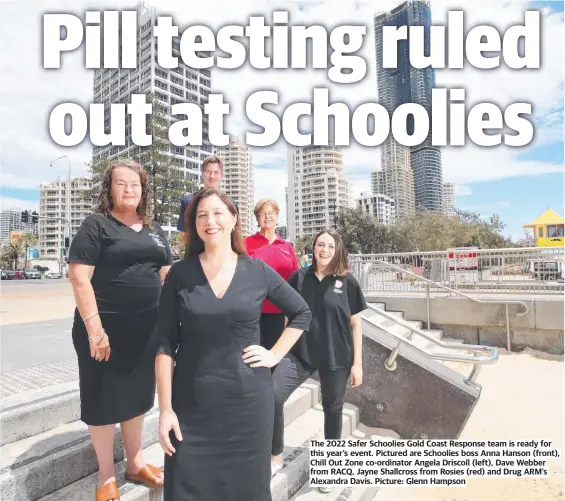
468,353
531,270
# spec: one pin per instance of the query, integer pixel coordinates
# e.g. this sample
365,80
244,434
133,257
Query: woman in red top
279,255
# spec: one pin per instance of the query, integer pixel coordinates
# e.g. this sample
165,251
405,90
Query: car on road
14,275
31,273
52,274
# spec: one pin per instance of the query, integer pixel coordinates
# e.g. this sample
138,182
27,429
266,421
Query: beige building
396,178
317,189
449,199
238,181
377,205
53,203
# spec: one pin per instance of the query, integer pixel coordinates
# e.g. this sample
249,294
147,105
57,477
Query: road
35,323
36,343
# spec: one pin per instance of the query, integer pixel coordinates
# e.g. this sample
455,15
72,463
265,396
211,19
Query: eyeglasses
265,214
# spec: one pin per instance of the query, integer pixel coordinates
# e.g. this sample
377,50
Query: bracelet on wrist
98,338
89,317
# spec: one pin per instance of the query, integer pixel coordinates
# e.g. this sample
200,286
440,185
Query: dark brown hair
194,244
339,265
105,203
212,160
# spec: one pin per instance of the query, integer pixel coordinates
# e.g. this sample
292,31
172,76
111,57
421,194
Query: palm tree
11,253
27,240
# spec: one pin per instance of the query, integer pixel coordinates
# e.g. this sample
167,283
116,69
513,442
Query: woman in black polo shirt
332,346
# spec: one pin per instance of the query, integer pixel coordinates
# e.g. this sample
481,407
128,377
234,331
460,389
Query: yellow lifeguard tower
548,229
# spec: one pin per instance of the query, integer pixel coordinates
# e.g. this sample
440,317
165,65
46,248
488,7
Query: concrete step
38,411
284,484
31,413
381,320
390,325
39,465
460,367
423,343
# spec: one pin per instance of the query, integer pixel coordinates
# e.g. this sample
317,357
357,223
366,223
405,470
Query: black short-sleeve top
332,301
126,262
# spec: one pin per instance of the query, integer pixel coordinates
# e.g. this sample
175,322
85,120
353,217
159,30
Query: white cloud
18,203
28,93
487,206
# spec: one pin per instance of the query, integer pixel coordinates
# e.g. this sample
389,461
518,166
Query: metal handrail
506,302
490,353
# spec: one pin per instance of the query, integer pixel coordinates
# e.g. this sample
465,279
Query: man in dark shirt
212,172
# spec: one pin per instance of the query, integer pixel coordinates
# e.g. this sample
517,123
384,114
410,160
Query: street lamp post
68,202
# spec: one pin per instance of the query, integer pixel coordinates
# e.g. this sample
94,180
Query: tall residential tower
238,181
412,176
52,204
169,86
316,189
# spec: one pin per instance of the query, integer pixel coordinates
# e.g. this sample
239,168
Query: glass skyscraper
412,176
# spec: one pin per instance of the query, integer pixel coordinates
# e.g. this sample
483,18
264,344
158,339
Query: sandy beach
522,398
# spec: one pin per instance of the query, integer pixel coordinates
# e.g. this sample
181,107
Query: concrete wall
541,328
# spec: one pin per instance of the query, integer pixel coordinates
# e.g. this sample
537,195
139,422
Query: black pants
289,374
271,325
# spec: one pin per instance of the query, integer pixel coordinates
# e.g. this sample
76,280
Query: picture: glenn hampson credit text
370,124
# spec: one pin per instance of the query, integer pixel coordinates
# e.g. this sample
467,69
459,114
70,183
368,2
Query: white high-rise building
52,203
378,205
11,220
317,189
169,86
286,203
449,199
238,181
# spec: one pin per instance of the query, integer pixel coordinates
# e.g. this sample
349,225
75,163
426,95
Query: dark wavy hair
194,244
105,204
339,265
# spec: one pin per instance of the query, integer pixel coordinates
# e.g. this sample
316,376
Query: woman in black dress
117,262
219,401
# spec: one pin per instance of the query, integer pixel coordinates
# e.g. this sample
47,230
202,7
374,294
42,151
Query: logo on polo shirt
337,286
157,239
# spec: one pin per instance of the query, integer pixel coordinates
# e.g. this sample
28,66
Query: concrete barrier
541,328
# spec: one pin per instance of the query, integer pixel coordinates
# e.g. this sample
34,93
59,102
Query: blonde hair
265,201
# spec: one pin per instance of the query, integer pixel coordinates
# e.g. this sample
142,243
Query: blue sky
556,6
517,200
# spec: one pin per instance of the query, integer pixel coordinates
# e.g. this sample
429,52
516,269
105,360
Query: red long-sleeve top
279,255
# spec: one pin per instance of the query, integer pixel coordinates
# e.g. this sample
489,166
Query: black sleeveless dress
225,408
127,287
